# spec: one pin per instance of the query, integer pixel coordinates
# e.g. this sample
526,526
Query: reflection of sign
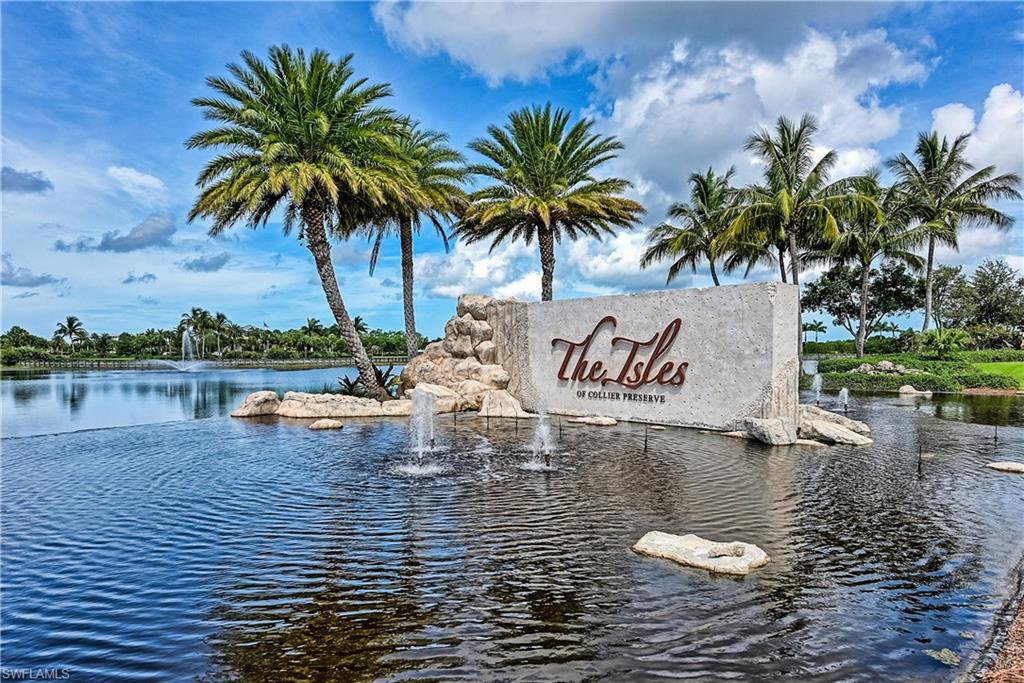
634,372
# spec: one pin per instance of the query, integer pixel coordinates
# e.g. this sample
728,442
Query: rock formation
1007,466
327,423
724,558
465,363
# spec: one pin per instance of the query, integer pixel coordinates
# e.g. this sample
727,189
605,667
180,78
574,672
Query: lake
148,536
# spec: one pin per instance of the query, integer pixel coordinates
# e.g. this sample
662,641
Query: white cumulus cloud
998,137
140,186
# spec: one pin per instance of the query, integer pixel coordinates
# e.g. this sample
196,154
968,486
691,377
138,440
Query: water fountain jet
816,388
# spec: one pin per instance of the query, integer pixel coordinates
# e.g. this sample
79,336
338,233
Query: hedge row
991,356
950,382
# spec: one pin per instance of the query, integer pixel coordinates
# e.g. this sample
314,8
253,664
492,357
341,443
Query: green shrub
12,355
954,381
990,356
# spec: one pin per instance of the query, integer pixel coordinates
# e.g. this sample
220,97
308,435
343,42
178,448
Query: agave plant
388,379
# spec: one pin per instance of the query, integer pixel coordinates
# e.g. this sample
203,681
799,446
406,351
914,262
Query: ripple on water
247,550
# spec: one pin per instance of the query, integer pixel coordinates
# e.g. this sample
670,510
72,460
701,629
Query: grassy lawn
1014,370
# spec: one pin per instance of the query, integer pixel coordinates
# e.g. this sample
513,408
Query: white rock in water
327,423
445,400
829,432
300,404
777,431
1007,466
500,403
595,420
258,403
809,412
909,390
659,428
692,550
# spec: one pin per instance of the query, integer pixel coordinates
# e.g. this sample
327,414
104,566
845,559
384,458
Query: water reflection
46,402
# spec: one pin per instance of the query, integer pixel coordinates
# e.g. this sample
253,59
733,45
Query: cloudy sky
97,183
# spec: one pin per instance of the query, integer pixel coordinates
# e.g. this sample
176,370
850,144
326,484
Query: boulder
830,432
776,431
809,412
474,305
911,391
485,352
258,403
1007,466
327,423
493,376
885,366
300,404
595,420
479,331
865,368
445,400
810,442
472,392
398,407
658,428
500,403
692,550
459,346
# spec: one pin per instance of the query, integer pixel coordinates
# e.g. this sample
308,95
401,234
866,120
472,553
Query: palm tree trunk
714,275
862,332
928,283
782,263
405,237
794,264
546,241
316,240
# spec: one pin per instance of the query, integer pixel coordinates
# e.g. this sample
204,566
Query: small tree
892,290
945,341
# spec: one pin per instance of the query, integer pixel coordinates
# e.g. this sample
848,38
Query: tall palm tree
219,325
703,219
312,327
868,237
438,174
948,193
303,135
796,205
199,321
71,329
543,186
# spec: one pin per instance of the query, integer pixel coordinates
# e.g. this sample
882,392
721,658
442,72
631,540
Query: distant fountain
844,398
421,431
188,360
816,387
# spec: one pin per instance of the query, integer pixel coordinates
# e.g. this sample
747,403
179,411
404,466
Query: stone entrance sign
704,358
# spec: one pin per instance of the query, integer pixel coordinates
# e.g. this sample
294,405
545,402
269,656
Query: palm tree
869,236
702,219
438,174
199,321
544,186
71,329
219,325
891,328
360,325
796,205
312,327
302,135
815,326
943,341
948,193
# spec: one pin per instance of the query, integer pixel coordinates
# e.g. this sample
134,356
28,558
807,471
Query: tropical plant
301,134
353,386
702,220
438,173
312,327
816,326
195,323
870,236
796,204
945,341
71,329
543,187
947,193
892,328
219,324
360,325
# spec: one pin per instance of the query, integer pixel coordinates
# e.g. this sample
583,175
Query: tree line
212,335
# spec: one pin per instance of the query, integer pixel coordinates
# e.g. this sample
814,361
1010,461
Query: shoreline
1001,659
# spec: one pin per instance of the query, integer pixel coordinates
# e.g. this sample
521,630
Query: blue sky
97,183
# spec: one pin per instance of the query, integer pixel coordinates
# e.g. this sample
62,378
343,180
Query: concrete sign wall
694,357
